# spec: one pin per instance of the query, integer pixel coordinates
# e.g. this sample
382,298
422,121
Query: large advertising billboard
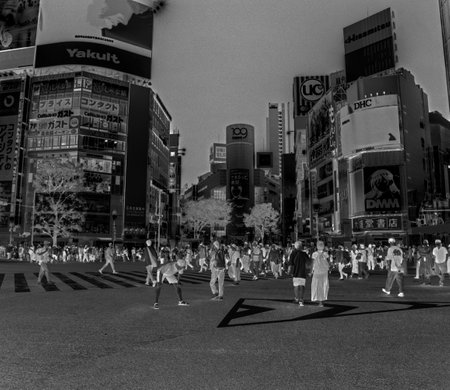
18,25
371,123
111,34
382,189
307,91
321,129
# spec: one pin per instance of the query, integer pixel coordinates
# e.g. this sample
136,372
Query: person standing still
320,284
109,259
297,265
218,265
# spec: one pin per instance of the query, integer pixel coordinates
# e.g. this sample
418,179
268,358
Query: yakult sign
116,35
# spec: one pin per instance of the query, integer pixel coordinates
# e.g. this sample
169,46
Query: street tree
206,212
263,218
58,207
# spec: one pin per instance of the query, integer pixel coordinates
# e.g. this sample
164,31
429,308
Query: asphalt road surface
94,332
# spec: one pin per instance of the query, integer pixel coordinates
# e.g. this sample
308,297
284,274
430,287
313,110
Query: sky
218,62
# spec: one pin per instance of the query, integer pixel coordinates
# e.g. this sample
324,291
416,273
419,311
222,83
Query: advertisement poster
370,124
382,189
111,34
8,125
307,91
18,25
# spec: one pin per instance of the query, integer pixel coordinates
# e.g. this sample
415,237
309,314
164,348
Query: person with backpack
218,265
394,260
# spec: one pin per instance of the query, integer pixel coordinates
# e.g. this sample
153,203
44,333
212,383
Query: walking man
43,257
218,265
151,261
169,271
109,258
298,261
423,267
394,260
440,261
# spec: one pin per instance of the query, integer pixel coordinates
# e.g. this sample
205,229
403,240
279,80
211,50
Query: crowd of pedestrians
298,261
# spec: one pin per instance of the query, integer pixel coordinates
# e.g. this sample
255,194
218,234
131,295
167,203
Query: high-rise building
89,100
240,140
275,134
370,45
444,9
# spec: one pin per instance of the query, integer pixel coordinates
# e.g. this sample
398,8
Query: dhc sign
366,103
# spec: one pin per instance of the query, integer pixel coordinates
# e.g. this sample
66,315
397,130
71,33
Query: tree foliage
57,183
263,218
206,212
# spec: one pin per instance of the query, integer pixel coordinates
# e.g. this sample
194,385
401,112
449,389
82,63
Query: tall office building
275,131
370,45
444,9
78,88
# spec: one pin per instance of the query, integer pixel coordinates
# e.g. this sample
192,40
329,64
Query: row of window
75,141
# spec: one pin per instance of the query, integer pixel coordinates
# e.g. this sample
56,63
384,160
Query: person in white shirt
394,259
440,261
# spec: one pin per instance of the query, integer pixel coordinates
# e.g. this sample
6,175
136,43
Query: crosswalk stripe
133,279
70,282
112,280
20,283
91,280
46,286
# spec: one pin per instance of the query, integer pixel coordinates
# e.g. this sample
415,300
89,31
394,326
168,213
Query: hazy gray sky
217,62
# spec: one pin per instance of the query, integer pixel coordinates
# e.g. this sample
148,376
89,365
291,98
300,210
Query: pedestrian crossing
26,282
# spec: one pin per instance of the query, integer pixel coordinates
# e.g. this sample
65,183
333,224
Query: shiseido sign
82,53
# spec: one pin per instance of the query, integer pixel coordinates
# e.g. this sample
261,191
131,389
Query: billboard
264,160
382,189
369,45
370,123
321,129
111,34
218,154
18,25
307,91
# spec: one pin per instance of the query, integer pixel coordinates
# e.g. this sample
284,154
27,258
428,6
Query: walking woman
320,284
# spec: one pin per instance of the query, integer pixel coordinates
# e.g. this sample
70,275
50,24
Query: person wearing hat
169,272
151,262
424,260
394,259
109,257
43,257
440,260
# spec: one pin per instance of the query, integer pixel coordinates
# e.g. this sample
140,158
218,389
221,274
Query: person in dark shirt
298,263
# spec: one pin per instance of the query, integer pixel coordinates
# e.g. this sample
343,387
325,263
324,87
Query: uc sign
239,132
312,89
366,103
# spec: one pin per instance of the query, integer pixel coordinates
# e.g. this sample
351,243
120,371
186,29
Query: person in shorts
297,267
169,272
151,262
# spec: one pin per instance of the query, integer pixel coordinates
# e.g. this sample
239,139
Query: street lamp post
114,217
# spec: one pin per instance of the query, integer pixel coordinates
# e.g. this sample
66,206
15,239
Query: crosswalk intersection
26,282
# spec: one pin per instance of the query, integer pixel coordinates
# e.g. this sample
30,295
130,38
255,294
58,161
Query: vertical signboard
111,34
307,91
382,189
137,152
